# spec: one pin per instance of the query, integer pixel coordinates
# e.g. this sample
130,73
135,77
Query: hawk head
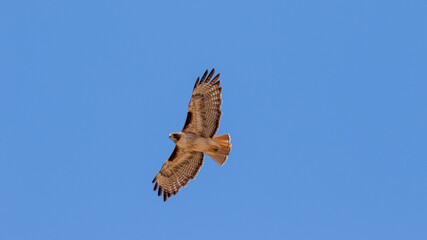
175,136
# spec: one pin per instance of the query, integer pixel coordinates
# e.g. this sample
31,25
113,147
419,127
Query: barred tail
220,156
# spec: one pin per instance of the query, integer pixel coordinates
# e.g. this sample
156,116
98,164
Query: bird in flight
196,138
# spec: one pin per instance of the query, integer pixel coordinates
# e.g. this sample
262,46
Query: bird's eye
176,136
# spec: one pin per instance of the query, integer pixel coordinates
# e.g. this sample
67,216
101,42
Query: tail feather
220,156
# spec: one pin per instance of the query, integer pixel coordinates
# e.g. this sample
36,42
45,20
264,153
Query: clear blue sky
325,101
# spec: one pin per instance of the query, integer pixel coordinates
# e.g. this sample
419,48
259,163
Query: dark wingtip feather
197,82
154,179
160,191
204,77
165,197
155,187
210,75
215,78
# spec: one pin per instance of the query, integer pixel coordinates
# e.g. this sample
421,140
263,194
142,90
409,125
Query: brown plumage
197,137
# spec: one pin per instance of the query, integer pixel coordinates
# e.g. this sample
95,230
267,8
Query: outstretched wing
178,170
204,110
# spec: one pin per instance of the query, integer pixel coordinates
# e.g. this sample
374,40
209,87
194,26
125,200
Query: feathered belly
192,142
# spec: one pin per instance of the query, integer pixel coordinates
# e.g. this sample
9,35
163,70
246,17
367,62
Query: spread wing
204,110
178,170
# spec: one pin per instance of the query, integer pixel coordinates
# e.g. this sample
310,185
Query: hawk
195,139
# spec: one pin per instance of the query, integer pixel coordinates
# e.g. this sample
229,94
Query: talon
215,148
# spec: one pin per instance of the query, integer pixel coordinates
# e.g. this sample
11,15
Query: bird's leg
214,148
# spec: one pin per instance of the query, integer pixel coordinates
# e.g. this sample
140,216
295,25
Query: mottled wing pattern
204,110
178,170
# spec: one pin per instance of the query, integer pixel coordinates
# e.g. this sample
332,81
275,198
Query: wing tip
204,76
197,82
210,75
215,79
163,192
207,78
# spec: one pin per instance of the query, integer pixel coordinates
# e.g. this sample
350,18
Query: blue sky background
325,101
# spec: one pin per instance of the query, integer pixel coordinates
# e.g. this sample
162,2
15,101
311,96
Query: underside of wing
204,110
178,170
